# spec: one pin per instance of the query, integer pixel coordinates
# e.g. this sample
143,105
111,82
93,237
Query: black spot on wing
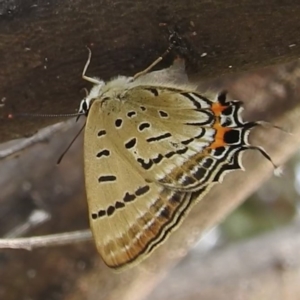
104,152
131,114
207,163
107,178
131,143
129,197
99,214
101,133
144,126
186,142
232,137
219,151
163,114
182,151
118,123
228,111
170,154
142,190
158,159
159,137
111,209
199,173
145,165
119,204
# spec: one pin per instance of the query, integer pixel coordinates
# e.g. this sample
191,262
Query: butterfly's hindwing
185,141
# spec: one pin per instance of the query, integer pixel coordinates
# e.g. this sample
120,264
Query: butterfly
153,147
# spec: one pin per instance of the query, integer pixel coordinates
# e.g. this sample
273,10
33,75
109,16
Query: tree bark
42,47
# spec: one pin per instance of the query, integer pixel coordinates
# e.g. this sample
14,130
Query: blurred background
239,242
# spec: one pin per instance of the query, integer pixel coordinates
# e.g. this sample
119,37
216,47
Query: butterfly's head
86,102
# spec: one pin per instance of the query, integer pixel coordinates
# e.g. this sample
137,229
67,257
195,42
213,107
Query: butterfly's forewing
129,215
144,156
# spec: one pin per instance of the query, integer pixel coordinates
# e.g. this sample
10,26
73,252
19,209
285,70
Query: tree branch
42,47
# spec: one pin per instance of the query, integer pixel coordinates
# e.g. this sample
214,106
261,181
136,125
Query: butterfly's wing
145,157
184,140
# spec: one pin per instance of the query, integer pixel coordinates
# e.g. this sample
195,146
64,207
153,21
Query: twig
42,136
60,239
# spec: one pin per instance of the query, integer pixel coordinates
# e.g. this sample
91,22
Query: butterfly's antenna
268,124
13,116
173,42
87,78
71,143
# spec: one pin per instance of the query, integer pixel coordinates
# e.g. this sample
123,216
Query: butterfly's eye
84,107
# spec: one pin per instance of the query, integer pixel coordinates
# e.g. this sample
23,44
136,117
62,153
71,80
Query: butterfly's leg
268,124
90,79
174,38
174,42
159,59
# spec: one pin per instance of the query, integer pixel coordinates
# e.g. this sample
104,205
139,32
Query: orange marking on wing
217,108
219,138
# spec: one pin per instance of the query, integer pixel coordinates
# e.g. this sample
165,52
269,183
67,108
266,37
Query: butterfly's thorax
110,104
112,94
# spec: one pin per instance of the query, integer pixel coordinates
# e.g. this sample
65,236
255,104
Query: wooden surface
42,45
